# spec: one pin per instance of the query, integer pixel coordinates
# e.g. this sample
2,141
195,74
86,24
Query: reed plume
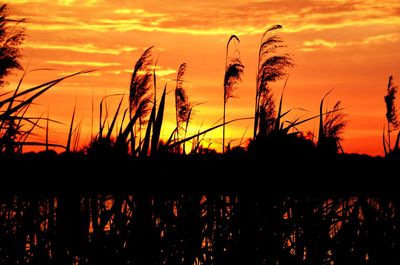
182,103
233,72
232,76
391,112
183,107
269,69
139,91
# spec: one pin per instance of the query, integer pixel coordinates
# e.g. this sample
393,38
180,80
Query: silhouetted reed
270,67
233,72
199,228
139,93
331,127
391,117
183,107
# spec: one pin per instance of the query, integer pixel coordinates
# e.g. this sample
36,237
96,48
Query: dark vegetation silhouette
196,227
233,71
12,35
393,123
183,107
138,135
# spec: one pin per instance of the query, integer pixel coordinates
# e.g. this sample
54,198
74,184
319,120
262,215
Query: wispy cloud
318,44
160,71
384,38
213,17
82,63
82,48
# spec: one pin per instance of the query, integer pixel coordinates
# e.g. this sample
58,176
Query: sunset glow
349,46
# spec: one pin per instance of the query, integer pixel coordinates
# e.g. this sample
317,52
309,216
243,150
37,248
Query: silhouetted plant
11,37
139,96
269,69
15,125
183,107
391,116
198,228
233,71
331,129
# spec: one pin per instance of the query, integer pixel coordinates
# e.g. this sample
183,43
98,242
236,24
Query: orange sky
351,46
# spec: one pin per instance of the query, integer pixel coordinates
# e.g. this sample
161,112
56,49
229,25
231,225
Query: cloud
160,71
209,17
165,72
318,44
65,2
81,2
384,38
313,45
27,1
82,48
83,63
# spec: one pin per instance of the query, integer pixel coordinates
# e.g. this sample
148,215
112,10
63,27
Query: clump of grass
140,101
15,125
331,129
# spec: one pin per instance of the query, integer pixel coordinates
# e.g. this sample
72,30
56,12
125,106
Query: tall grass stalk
391,114
233,72
183,107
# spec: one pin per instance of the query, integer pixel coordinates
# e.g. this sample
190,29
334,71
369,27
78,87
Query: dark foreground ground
199,210
344,173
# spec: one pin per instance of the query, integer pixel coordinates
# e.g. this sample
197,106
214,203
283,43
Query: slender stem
176,115
91,125
47,130
223,127
223,118
140,132
132,130
257,101
389,135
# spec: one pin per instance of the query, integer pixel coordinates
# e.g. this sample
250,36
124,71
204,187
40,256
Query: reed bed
198,228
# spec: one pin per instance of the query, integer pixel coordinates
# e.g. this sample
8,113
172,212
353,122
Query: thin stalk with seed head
233,71
183,106
391,111
139,96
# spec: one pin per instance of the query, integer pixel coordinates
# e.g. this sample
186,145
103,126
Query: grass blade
44,86
146,141
278,118
114,120
158,123
68,147
47,130
321,123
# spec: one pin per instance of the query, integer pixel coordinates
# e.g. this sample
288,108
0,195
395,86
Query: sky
348,46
